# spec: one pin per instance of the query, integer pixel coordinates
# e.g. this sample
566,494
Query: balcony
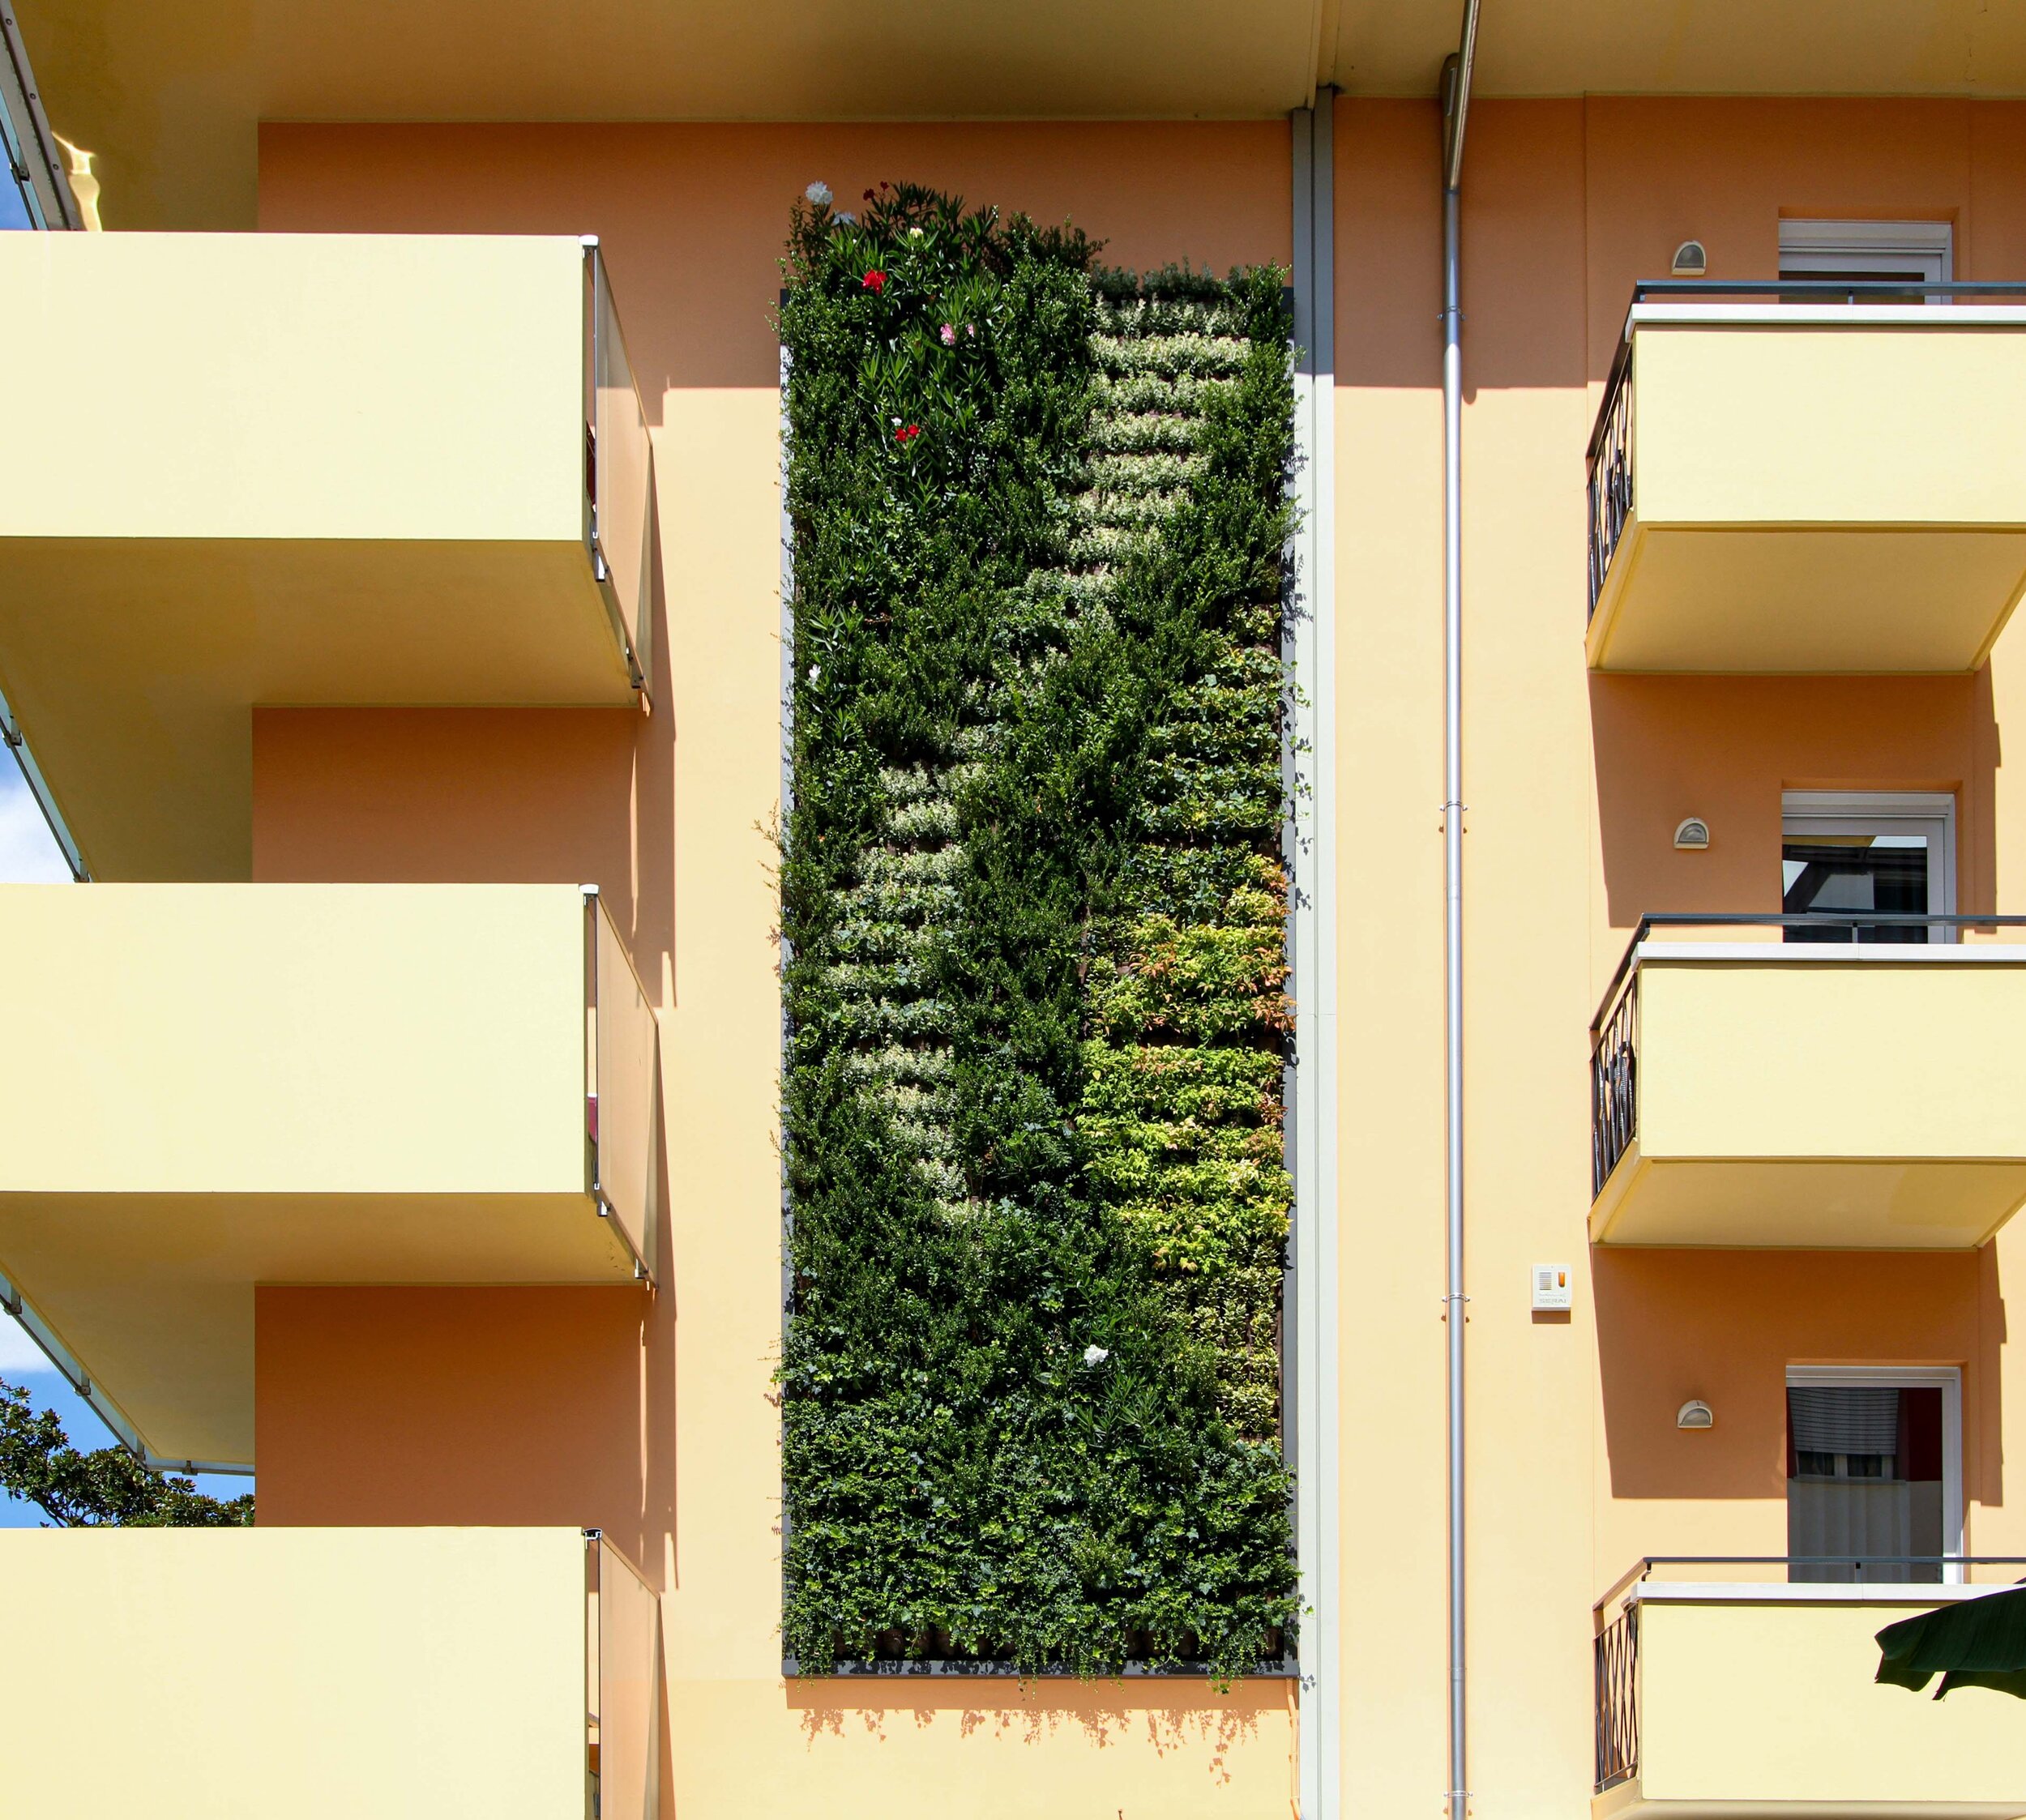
205,1088
1716,1700
1808,482
1815,1093
324,1673
266,468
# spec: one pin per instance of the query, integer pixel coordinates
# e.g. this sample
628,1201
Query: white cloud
19,1354
28,853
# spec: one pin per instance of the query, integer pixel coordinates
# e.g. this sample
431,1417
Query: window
1847,852
1869,252
1875,1473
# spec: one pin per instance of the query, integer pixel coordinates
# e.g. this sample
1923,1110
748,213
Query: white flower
1095,1354
818,193
846,219
914,233
815,673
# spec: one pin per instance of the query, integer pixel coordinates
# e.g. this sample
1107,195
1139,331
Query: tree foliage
105,1486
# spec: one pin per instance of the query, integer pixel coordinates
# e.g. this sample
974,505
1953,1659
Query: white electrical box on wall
1552,1294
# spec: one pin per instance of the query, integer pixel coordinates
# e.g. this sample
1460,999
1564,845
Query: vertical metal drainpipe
1311,1401
1456,96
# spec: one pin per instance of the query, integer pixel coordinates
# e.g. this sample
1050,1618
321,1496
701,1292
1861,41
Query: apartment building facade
394,1108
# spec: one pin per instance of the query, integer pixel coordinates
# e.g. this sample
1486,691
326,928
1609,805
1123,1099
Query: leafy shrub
1034,955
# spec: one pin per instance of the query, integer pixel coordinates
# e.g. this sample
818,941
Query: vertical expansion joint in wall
1311,850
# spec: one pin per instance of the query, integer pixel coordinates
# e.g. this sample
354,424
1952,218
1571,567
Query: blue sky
27,855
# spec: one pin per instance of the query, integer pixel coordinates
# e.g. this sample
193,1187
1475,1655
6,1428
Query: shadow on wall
459,1406
1169,1715
1723,1326
1723,748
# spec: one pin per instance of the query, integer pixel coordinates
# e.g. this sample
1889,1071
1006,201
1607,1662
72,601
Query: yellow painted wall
1830,425
294,386
387,1406
1775,1704
1575,784
320,1673
335,1039
1829,1059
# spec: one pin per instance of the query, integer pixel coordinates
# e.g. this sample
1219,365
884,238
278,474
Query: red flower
906,433
871,196
875,281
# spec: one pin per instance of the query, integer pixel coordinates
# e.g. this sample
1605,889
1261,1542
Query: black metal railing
1614,1063
1610,472
1643,1567
1616,1667
1610,450
1614,1030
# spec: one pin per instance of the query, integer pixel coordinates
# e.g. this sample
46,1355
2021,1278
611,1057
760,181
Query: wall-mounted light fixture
1694,1413
1691,260
1691,834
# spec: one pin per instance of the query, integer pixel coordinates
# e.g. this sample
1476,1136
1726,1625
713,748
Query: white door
1875,1473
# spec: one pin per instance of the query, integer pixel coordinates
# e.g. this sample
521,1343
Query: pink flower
949,334
971,328
875,281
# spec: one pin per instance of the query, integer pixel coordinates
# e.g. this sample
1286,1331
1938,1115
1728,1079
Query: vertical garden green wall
1033,922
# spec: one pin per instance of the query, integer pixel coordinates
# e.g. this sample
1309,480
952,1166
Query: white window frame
1932,813
1883,246
1911,1377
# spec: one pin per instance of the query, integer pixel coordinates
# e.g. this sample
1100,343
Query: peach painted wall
470,1406
1574,786
655,1420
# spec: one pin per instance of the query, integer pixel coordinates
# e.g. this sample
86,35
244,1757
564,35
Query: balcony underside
1806,599
154,1293
1873,1204
132,663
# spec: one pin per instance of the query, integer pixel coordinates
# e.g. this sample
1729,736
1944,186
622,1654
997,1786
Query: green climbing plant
1034,958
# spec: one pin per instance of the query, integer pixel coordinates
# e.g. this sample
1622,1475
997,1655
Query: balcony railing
399,1673
1706,1668
1744,439
618,471
207,1087
1610,471
1614,1036
1614,1062
1617,1672
622,1696
356,469
1824,1091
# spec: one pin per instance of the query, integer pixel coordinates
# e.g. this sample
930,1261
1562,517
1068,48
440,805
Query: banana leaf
1972,1643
